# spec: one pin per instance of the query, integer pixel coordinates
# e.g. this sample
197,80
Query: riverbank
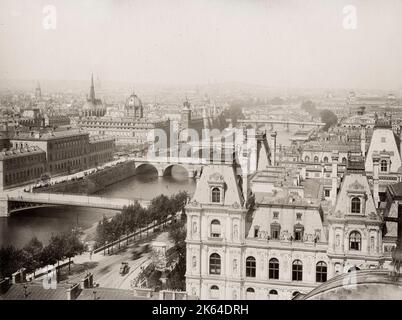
91,182
20,227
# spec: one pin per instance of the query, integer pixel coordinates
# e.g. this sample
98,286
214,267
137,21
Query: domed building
93,107
133,107
126,123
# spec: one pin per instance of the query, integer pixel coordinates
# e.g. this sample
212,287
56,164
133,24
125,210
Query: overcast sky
279,43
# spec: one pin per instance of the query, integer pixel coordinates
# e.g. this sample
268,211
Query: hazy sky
279,43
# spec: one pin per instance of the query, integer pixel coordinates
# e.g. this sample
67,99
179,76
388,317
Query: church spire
92,91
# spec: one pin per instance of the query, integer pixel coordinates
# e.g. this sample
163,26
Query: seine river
42,222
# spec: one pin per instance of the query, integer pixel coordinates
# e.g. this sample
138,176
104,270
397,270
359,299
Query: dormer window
383,166
216,195
356,205
256,230
275,231
298,232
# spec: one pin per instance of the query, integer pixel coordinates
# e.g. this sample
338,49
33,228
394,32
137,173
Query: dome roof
133,101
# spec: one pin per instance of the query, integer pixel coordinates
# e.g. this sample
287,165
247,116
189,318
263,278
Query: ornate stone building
290,242
127,126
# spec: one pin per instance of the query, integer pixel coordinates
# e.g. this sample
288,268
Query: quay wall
92,182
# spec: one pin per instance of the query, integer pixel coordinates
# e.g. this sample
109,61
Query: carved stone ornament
216,177
356,186
236,205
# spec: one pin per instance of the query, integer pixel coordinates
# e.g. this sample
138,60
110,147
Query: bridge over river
11,202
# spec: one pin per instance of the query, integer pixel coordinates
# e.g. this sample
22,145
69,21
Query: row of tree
35,255
134,217
177,233
327,116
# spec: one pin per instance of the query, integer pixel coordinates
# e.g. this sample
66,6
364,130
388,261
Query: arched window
384,166
216,195
215,264
273,295
343,160
273,269
214,292
297,270
355,205
250,267
250,292
306,159
215,229
321,272
294,294
325,159
315,159
355,240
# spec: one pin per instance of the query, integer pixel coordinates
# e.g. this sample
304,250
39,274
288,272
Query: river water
42,222
21,226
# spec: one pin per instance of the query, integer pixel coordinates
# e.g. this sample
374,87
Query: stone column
4,212
273,153
363,140
331,238
334,189
376,164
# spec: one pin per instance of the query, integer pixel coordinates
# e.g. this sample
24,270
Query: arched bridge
276,124
164,165
13,201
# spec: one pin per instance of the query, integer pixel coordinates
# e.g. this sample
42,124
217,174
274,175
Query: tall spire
92,91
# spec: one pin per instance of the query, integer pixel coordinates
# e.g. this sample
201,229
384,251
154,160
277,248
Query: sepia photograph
194,151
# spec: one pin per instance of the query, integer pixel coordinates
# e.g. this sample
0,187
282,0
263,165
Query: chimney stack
334,189
273,153
376,168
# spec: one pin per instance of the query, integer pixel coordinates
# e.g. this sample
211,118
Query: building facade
291,241
22,165
67,151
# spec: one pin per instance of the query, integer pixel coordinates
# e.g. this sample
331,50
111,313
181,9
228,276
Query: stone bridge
164,164
272,124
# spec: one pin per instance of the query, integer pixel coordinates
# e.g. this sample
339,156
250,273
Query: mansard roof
354,183
221,174
383,139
